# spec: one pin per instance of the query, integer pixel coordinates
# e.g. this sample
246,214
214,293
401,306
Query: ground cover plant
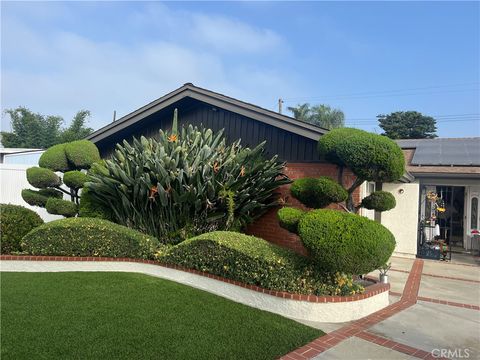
186,182
88,237
254,261
15,222
69,159
134,316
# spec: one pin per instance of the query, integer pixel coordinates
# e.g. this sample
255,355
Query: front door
472,216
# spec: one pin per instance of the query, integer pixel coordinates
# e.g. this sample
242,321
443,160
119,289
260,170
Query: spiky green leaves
379,201
318,192
42,178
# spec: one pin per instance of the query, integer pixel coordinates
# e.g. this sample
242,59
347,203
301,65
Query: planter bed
302,307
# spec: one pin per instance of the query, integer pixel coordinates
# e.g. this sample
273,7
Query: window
474,213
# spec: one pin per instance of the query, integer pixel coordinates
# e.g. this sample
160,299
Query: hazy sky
365,58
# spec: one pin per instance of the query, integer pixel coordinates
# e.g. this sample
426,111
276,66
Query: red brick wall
268,228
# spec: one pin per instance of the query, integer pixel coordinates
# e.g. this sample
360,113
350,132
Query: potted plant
383,272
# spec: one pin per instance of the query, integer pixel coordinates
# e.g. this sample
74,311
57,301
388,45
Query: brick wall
268,228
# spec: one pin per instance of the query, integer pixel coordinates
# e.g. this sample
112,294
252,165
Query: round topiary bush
81,154
345,242
75,179
61,207
54,158
289,218
15,222
88,237
40,197
380,201
42,178
318,192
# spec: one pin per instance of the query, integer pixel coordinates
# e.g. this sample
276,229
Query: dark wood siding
289,146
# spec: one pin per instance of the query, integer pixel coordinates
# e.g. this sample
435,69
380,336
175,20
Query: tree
320,115
33,130
408,125
68,159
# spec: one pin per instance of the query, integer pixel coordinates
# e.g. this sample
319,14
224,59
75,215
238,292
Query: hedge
379,201
75,179
90,208
40,197
15,222
88,237
82,154
318,192
289,218
61,207
344,242
42,178
254,261
54,158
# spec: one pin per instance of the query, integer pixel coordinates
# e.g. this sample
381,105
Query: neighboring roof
444,151
17,150
215,99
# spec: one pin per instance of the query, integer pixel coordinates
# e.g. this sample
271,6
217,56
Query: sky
365,58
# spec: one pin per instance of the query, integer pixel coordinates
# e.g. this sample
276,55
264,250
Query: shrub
379,201
40,197
289,218
345,242
42,178
253,261
81,154
15,222
54,158
88,237
185,183
318,193
75,179
90,208
61,207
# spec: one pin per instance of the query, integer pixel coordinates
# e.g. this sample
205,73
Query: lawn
134,316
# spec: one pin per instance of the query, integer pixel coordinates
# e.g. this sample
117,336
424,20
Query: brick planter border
370,291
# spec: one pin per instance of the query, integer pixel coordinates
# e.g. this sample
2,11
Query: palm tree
320,115
301,112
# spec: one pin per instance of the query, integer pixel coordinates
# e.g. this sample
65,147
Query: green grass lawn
133,316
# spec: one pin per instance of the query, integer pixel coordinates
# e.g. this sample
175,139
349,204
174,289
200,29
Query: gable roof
215,99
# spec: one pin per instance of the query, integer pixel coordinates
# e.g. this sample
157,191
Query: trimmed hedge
254,261
82,154
379,201
42,178
75,179
289,218
54,158
88,237
61,207
345,242
15,222
318,192
40,197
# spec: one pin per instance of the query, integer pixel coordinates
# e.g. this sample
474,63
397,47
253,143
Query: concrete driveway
434,314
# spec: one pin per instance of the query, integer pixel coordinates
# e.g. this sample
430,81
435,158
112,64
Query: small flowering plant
385,268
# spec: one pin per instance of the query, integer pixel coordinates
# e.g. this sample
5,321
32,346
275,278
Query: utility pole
114,115
280,103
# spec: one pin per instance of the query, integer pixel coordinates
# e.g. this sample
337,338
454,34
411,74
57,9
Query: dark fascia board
447,175
407,178
217,100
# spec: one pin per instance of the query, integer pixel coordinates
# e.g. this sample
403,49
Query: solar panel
447,152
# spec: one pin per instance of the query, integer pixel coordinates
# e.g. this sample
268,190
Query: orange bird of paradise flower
216,167
173,138
153,192
242,171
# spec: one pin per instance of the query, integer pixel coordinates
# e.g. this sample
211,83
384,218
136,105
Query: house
295,142
441,173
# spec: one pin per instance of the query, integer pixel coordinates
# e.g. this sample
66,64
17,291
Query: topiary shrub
91,208
289,218
54,159
15,222
61,207
379,201
42,178
81,154
254,261
340,241
88,237
40,197
318,192
75,179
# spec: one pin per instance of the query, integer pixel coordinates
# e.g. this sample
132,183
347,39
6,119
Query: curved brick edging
300,307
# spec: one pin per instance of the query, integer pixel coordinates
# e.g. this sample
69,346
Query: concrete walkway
434,313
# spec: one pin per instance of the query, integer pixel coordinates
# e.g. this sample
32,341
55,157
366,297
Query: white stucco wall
402,221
